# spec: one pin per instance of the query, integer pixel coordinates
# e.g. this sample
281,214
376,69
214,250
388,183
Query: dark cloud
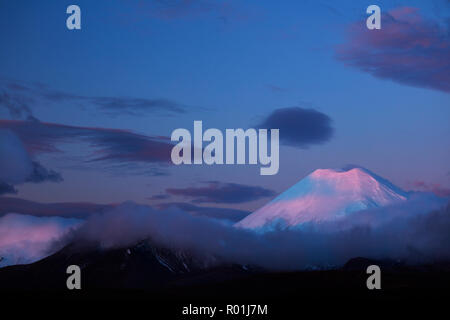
7,188
130,168
42,174
299,127
64,209
17,98
407,49
16,105
233,215
217,192
114,145
159,197
275,88
17,166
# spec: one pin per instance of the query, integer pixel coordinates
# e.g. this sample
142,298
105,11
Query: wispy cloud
77,210
106,144
18,99
232,215
218,192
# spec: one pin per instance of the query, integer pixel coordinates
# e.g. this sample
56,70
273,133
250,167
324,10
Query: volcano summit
325,195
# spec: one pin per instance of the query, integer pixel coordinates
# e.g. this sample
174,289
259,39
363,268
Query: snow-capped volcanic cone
325,195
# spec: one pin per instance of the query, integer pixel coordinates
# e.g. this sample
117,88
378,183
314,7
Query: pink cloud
408,49
435,188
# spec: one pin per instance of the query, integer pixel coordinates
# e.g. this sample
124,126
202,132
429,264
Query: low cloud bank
416,232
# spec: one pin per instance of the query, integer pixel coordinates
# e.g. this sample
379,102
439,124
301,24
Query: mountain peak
324,195
355,179
327,171
334,174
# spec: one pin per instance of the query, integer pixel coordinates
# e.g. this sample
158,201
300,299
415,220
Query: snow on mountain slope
325,195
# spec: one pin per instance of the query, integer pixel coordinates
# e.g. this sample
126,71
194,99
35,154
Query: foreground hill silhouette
145,270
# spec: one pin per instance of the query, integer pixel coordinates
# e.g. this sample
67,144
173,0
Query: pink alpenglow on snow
325,195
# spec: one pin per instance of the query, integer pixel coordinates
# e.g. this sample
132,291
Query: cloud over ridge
415,232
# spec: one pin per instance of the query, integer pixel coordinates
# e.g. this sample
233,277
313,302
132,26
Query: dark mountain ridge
152,268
